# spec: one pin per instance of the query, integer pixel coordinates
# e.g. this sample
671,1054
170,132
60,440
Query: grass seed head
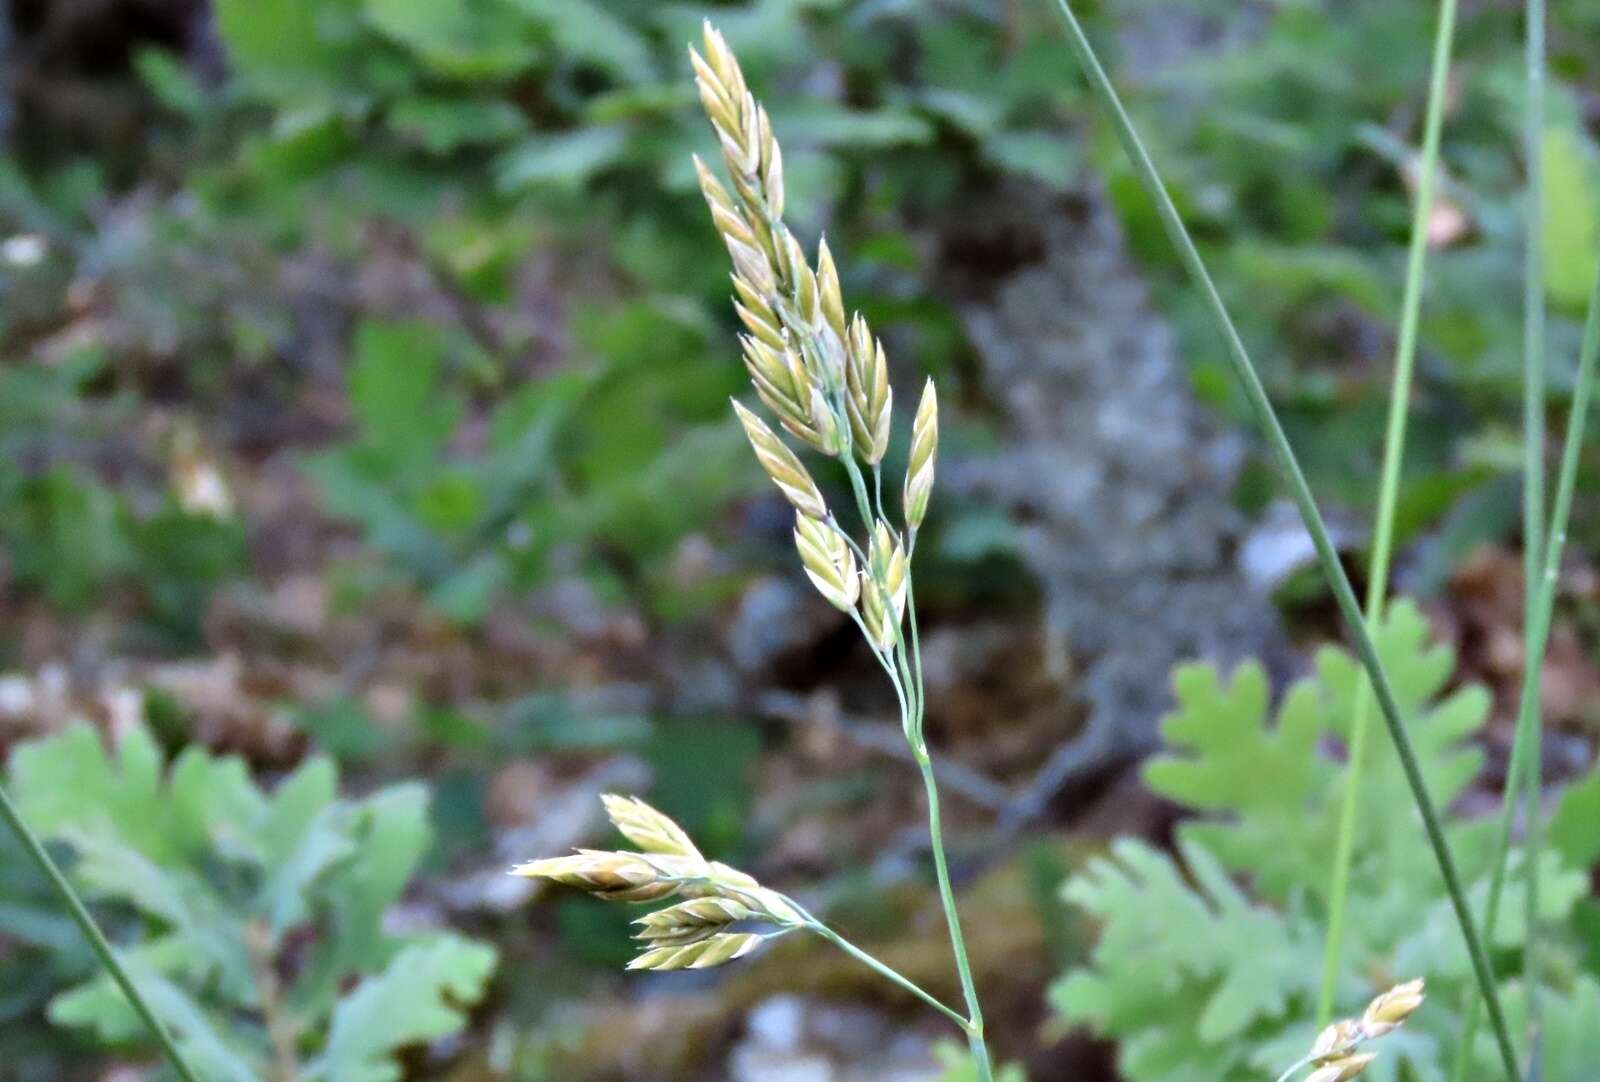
1342,1069
924,449
1390,1010
884,587
1335,1040
647,828
868,397
615,877
690,921
782,465
705,953
830,296
828,562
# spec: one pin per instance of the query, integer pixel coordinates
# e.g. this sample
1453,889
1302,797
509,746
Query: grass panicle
823,375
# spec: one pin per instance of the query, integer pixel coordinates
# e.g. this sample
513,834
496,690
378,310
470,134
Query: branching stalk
91,931
884,970
1388,494
1327,555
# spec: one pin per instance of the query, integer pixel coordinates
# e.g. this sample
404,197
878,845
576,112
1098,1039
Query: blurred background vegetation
364,369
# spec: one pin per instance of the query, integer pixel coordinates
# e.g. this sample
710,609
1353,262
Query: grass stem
1529,718
969,991
883,969
1327,555
1544,608
91,932
1388,494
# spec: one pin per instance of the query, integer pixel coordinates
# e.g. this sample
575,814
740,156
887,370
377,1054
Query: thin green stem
941,867
1327,555
883,969
1533,361
1388,494
908,662
916,639
1293,1067
858,486
91,932
1544,609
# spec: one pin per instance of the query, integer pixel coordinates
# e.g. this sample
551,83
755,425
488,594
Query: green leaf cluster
588,466
1209,957
253,921
69,535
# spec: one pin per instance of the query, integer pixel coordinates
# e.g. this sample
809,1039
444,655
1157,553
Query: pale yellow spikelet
714,950
782,465
617,877
751,264
773,378
1390,1010
1335,1040
757,315
924,449
825,420
691,921
1342,1069
742,127
829,295
868,396
729,219
828,562
807,296
648,828
771,164
722,877
884,587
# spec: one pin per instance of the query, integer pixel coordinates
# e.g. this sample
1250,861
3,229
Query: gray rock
1120,480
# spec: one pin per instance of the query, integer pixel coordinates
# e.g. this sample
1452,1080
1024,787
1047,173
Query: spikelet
830,433
1342,1069
829,297
754,161
796,314
776,385
1389,1010
616,877
782,465
647,828
868,397
924,449
690,921
1335,1040
884,587
704,953
828,562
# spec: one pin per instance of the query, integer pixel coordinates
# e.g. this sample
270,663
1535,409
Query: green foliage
253,920
569,462
1199,978
69,535
1290,148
